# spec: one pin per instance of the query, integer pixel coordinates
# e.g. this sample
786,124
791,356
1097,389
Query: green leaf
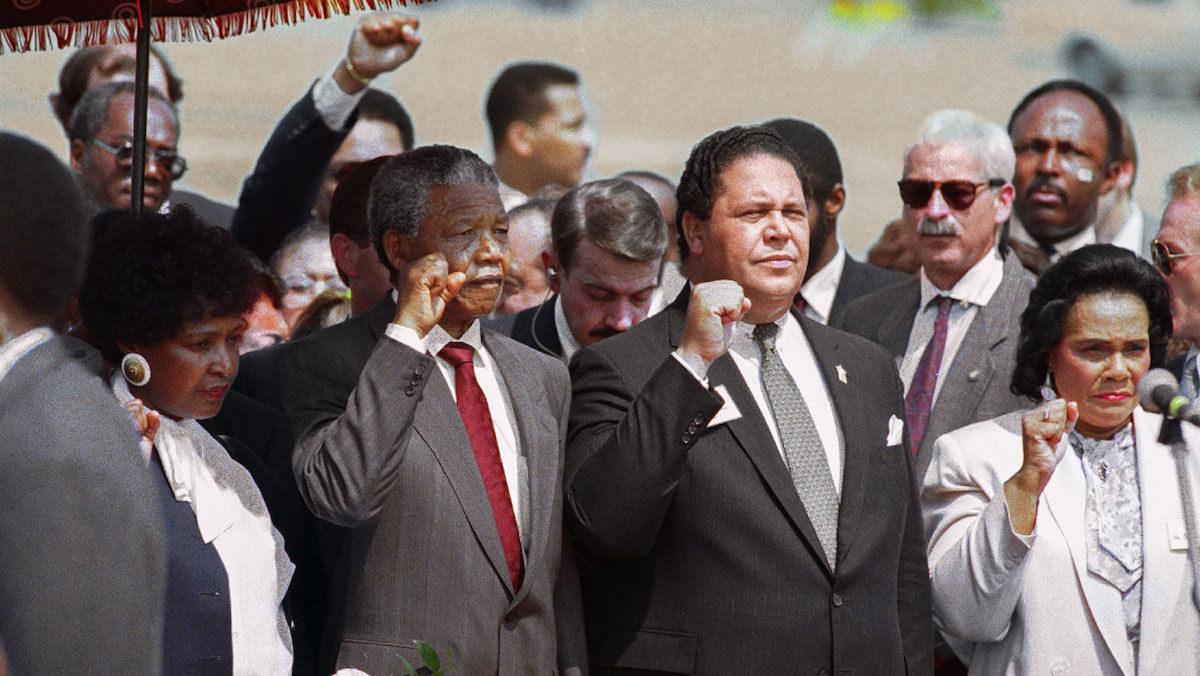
429,656
408,667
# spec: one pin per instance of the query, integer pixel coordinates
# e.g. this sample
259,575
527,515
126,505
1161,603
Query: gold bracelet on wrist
366,82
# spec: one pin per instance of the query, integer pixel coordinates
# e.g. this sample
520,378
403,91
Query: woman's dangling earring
136,369
1048,393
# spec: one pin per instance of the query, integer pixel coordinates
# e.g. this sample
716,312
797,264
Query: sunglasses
1163,259
959,195
175,164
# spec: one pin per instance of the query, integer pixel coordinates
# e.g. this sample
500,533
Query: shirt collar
976,287
820,289
743,336
437,338
565,338
1080,239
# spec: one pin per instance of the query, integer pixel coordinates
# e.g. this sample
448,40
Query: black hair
518,93
815,149
1098,268
92,110
400,190
1112,118
348,206
76,72
701,179
147,279
380,105
43,227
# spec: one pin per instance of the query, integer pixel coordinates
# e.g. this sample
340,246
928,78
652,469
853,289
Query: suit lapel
753,435
1166,578
544,330
859,441
751,431
1066,497
438,424
539,444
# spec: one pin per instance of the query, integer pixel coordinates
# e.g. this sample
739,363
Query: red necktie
473,408
919,399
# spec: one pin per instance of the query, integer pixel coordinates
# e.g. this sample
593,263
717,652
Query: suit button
510,625
410,390
698,420
837,600
687,439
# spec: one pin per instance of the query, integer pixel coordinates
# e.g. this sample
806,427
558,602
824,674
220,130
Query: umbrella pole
141,87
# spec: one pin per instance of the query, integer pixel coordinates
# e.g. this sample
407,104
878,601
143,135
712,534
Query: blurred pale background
661,74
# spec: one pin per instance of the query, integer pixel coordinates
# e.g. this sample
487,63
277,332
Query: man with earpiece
608,239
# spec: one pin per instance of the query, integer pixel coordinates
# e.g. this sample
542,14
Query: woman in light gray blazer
1056,540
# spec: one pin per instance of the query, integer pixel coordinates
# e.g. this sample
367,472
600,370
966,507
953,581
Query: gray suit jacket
83,561
382,449
977,386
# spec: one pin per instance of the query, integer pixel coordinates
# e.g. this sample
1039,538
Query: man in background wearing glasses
101,138
1175,252
953,328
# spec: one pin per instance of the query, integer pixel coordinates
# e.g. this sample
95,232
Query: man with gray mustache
953,327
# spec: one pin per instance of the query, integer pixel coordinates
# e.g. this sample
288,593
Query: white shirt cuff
695,366
405,336
334,105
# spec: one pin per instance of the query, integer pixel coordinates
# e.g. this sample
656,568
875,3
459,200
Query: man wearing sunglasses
1176,254
101,137
953,328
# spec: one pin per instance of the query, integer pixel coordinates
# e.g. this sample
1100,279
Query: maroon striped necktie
919,400
473,408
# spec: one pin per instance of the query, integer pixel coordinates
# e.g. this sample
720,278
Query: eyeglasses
1163,259
959,195
124,153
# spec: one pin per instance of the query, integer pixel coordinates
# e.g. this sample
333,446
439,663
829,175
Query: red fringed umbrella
27,25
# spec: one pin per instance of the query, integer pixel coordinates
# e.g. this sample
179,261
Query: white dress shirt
1078,240
565,338
818,292
1132,231
971,292
797,356
499,406
334,105
232,517
510,197
12,351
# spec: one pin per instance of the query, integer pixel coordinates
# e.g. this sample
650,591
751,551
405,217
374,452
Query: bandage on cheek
1084,174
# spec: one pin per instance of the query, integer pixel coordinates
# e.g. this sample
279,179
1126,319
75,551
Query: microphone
1158,392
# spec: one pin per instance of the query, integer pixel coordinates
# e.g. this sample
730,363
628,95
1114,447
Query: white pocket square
895,433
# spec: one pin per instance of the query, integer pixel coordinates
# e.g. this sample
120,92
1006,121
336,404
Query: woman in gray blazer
1055,533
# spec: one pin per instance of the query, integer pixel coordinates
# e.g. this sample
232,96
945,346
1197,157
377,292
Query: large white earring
136,369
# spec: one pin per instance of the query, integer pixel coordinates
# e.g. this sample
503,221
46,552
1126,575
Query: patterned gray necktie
801,444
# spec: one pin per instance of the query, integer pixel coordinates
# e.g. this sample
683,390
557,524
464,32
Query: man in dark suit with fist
738,473
438,444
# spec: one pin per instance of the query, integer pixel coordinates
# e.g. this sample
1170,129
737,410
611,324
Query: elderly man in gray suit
952,329
438,444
